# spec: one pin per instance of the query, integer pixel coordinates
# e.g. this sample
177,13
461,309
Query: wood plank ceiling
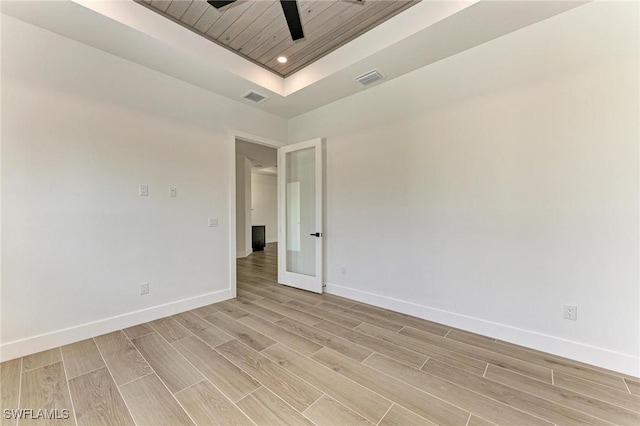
257,29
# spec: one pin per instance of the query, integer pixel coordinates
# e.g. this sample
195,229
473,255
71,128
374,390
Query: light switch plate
173,191
143,190
213,222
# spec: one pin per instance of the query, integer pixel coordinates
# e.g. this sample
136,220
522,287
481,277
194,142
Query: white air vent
369,77
255,97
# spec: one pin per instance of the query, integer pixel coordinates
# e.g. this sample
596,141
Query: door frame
231,161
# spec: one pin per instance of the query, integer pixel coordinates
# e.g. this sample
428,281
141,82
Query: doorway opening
256,215
293,250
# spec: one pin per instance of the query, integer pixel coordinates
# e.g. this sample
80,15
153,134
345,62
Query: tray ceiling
257,29
430,32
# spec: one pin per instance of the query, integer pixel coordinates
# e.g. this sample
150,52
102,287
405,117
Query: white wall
81,129
264,204
243,206
489,189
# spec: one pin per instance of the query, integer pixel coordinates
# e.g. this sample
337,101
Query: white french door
300,260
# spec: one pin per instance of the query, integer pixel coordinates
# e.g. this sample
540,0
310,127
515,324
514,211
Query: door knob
317,234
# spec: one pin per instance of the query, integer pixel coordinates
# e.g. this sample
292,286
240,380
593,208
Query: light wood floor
276,355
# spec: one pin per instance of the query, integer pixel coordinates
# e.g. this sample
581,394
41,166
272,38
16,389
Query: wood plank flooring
281,356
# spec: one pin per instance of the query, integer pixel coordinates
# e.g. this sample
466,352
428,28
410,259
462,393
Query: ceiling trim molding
390,32
142,19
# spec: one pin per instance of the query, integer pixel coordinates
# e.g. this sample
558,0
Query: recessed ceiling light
282,59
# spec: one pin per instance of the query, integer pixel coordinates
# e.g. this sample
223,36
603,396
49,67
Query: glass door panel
300,212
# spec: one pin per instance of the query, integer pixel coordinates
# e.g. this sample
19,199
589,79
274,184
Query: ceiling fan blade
290,9
219,4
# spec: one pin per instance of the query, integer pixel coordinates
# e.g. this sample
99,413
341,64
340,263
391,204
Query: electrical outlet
143,190
571,312
144,289
173,191
343,270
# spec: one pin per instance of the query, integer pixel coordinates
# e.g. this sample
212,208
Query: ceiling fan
291,14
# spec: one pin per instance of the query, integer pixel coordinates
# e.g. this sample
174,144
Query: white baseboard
240,254
616,361
18,348
275,240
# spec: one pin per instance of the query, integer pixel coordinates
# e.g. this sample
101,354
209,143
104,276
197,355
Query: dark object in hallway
258,235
